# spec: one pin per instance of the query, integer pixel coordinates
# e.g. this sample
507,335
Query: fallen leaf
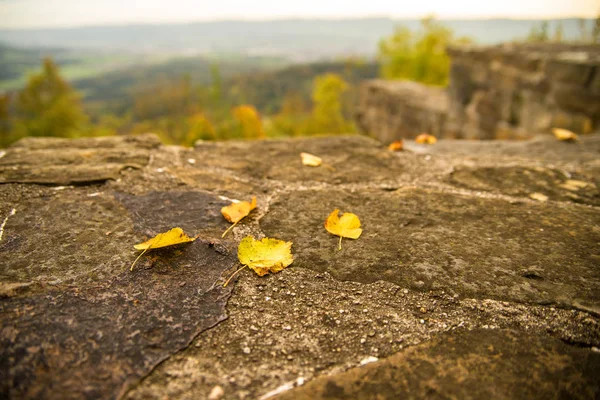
398,145
169,238
539,197
348,225
310,160
425,138
574,185
237,211
263,256
564,135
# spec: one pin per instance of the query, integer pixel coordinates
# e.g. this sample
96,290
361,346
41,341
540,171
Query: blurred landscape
229,79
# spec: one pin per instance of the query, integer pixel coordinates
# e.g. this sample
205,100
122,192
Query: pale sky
60,13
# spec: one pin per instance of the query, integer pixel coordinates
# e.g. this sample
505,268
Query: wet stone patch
96,341
193,211
76,323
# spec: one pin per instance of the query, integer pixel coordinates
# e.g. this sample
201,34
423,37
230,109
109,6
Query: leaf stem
340,245
138,257
232,275
228,229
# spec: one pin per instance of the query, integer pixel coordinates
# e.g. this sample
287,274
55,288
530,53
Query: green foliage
249,121
181,112
539,34
558,33
327,114
418,56
5,121
48,106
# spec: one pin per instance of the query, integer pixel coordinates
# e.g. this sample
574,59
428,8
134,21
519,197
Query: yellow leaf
425,138
398,145
539,196
170,238
266,255
236,211
310,160
348,225
564,135
574,185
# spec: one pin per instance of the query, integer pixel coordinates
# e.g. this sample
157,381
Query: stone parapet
516,91
480,255
502,92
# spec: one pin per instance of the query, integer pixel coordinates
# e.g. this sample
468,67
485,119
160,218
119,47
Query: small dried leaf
266,255
425,138
236,211
170,238
564,135
574,185
348,225
398,145
539,196
310,160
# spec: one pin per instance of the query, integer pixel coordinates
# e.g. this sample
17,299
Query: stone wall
500,92
509,91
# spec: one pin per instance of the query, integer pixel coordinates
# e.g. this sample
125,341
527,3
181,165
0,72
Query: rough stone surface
63,162
455,257
460,365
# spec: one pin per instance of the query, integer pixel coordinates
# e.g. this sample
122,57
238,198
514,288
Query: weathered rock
424,269
459,365
391,110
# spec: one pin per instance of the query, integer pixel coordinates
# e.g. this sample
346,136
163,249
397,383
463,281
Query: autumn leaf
564,135
574,185
169,238
263,256
310,160
237,211
425,138
348,225
398,145
539,196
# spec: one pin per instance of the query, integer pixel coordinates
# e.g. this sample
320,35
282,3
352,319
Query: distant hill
297,39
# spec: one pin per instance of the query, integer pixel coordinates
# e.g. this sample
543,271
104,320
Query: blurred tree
558,32
292,104
164,99
5,121
48,106
596,30
249,121
199,128
539,34
419,56
583,32
327,114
